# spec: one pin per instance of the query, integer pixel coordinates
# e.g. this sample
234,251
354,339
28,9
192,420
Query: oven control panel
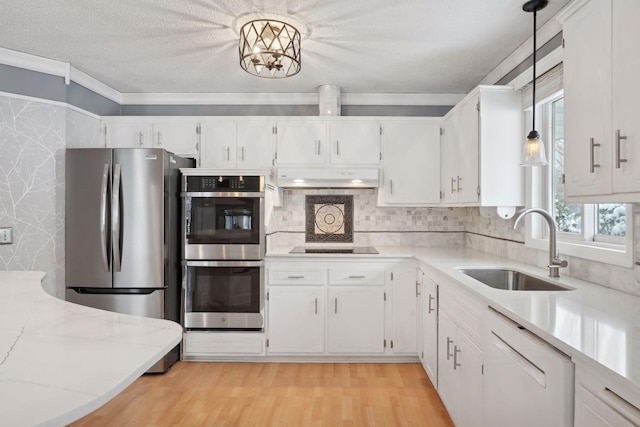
224,183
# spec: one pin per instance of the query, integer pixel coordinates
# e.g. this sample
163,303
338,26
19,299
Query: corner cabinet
410,162
177,135
481,144
602,132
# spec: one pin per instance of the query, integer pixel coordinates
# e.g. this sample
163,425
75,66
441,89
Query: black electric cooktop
335,250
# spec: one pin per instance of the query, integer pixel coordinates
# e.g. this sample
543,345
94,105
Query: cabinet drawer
356,275
291,276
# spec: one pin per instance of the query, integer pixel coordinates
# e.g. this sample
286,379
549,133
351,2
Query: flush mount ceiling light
533,153
269,48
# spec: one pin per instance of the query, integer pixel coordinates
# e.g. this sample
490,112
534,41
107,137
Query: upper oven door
224,226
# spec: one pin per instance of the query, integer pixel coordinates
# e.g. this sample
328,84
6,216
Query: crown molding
95,85
544,65
545,33
286,99
39,64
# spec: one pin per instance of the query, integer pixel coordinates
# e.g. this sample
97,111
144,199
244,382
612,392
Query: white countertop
594,324
59,361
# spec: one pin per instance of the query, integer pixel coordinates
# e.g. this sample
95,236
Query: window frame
588,245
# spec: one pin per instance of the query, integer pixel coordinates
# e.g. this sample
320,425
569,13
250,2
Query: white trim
50,102
621,257
286,99
544,34
545,64
95,85
34,63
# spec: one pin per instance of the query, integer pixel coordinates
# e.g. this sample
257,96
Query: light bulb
533,152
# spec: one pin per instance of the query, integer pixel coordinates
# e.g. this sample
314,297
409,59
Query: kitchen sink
511,280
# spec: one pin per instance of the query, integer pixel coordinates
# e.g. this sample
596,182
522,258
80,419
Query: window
593,231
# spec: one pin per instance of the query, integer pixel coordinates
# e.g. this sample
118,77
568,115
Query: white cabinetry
602,133
410,162
601,402
460,355
321,142
428,330
480,153
177,135
404,293
237,143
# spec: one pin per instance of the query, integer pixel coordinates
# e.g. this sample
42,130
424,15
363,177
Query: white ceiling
191,46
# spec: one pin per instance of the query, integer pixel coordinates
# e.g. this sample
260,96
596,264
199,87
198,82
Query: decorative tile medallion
329,219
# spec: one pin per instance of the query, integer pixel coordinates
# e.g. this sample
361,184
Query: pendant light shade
533,152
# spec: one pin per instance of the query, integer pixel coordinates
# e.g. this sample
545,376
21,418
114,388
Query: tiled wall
33,137
385,226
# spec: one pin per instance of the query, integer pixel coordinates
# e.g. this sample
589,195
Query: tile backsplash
398,226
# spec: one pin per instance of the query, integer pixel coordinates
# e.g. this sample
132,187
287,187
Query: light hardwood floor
277,394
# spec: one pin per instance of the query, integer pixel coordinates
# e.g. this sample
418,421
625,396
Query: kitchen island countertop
59,361
593,324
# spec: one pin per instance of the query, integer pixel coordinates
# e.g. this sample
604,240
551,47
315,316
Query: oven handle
222,194
223,263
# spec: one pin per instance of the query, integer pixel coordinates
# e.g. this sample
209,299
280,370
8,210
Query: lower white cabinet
332,307
603,402
428,334
296,319
356,319
460,356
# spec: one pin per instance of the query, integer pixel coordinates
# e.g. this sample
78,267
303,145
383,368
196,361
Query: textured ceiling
363,46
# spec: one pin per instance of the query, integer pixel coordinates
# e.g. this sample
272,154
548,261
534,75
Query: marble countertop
594,324
60,361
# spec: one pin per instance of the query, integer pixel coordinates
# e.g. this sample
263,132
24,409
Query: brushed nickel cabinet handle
228,150
456,350
430,299
316,306
619,159
453,180
458,185
592,155
140,139
337,147
357,277
335,309
449,342
295,277
159,139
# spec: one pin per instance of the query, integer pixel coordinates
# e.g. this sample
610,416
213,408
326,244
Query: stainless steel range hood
327,178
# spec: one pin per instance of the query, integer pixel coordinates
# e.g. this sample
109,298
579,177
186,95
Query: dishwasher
527,382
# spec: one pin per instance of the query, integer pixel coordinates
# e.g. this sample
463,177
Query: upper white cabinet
177,135
237,143
602,132
480,152
319,142
410,162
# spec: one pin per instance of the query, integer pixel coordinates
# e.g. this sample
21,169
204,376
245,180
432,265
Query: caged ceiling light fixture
533,153
270,48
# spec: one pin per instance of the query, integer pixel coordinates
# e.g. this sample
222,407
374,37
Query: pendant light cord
533,117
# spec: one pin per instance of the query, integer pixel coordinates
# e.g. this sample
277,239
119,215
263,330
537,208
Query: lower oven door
223,294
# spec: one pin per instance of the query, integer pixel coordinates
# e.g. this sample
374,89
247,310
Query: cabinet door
404,294
254,149
449,159
178,137
626,93
356,319
587,94
302,143
411,162
355,143
218,145
468,365
468,158
296,321
593,412
128,134
447,381
430,329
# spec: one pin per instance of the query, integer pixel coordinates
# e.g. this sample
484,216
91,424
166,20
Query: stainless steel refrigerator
122,232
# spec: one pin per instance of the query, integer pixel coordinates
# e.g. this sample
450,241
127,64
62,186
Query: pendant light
533,152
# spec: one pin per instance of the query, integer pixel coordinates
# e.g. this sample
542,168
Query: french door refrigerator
122,232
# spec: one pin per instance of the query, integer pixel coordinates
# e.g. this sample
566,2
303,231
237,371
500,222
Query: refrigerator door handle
103,217
115,219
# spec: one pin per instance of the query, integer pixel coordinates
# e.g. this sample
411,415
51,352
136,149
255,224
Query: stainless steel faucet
554,256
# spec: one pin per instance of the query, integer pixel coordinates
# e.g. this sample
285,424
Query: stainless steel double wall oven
223,253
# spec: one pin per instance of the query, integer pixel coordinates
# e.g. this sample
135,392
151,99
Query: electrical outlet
6,235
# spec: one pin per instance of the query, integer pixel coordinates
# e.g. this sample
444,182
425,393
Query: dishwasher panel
527,382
